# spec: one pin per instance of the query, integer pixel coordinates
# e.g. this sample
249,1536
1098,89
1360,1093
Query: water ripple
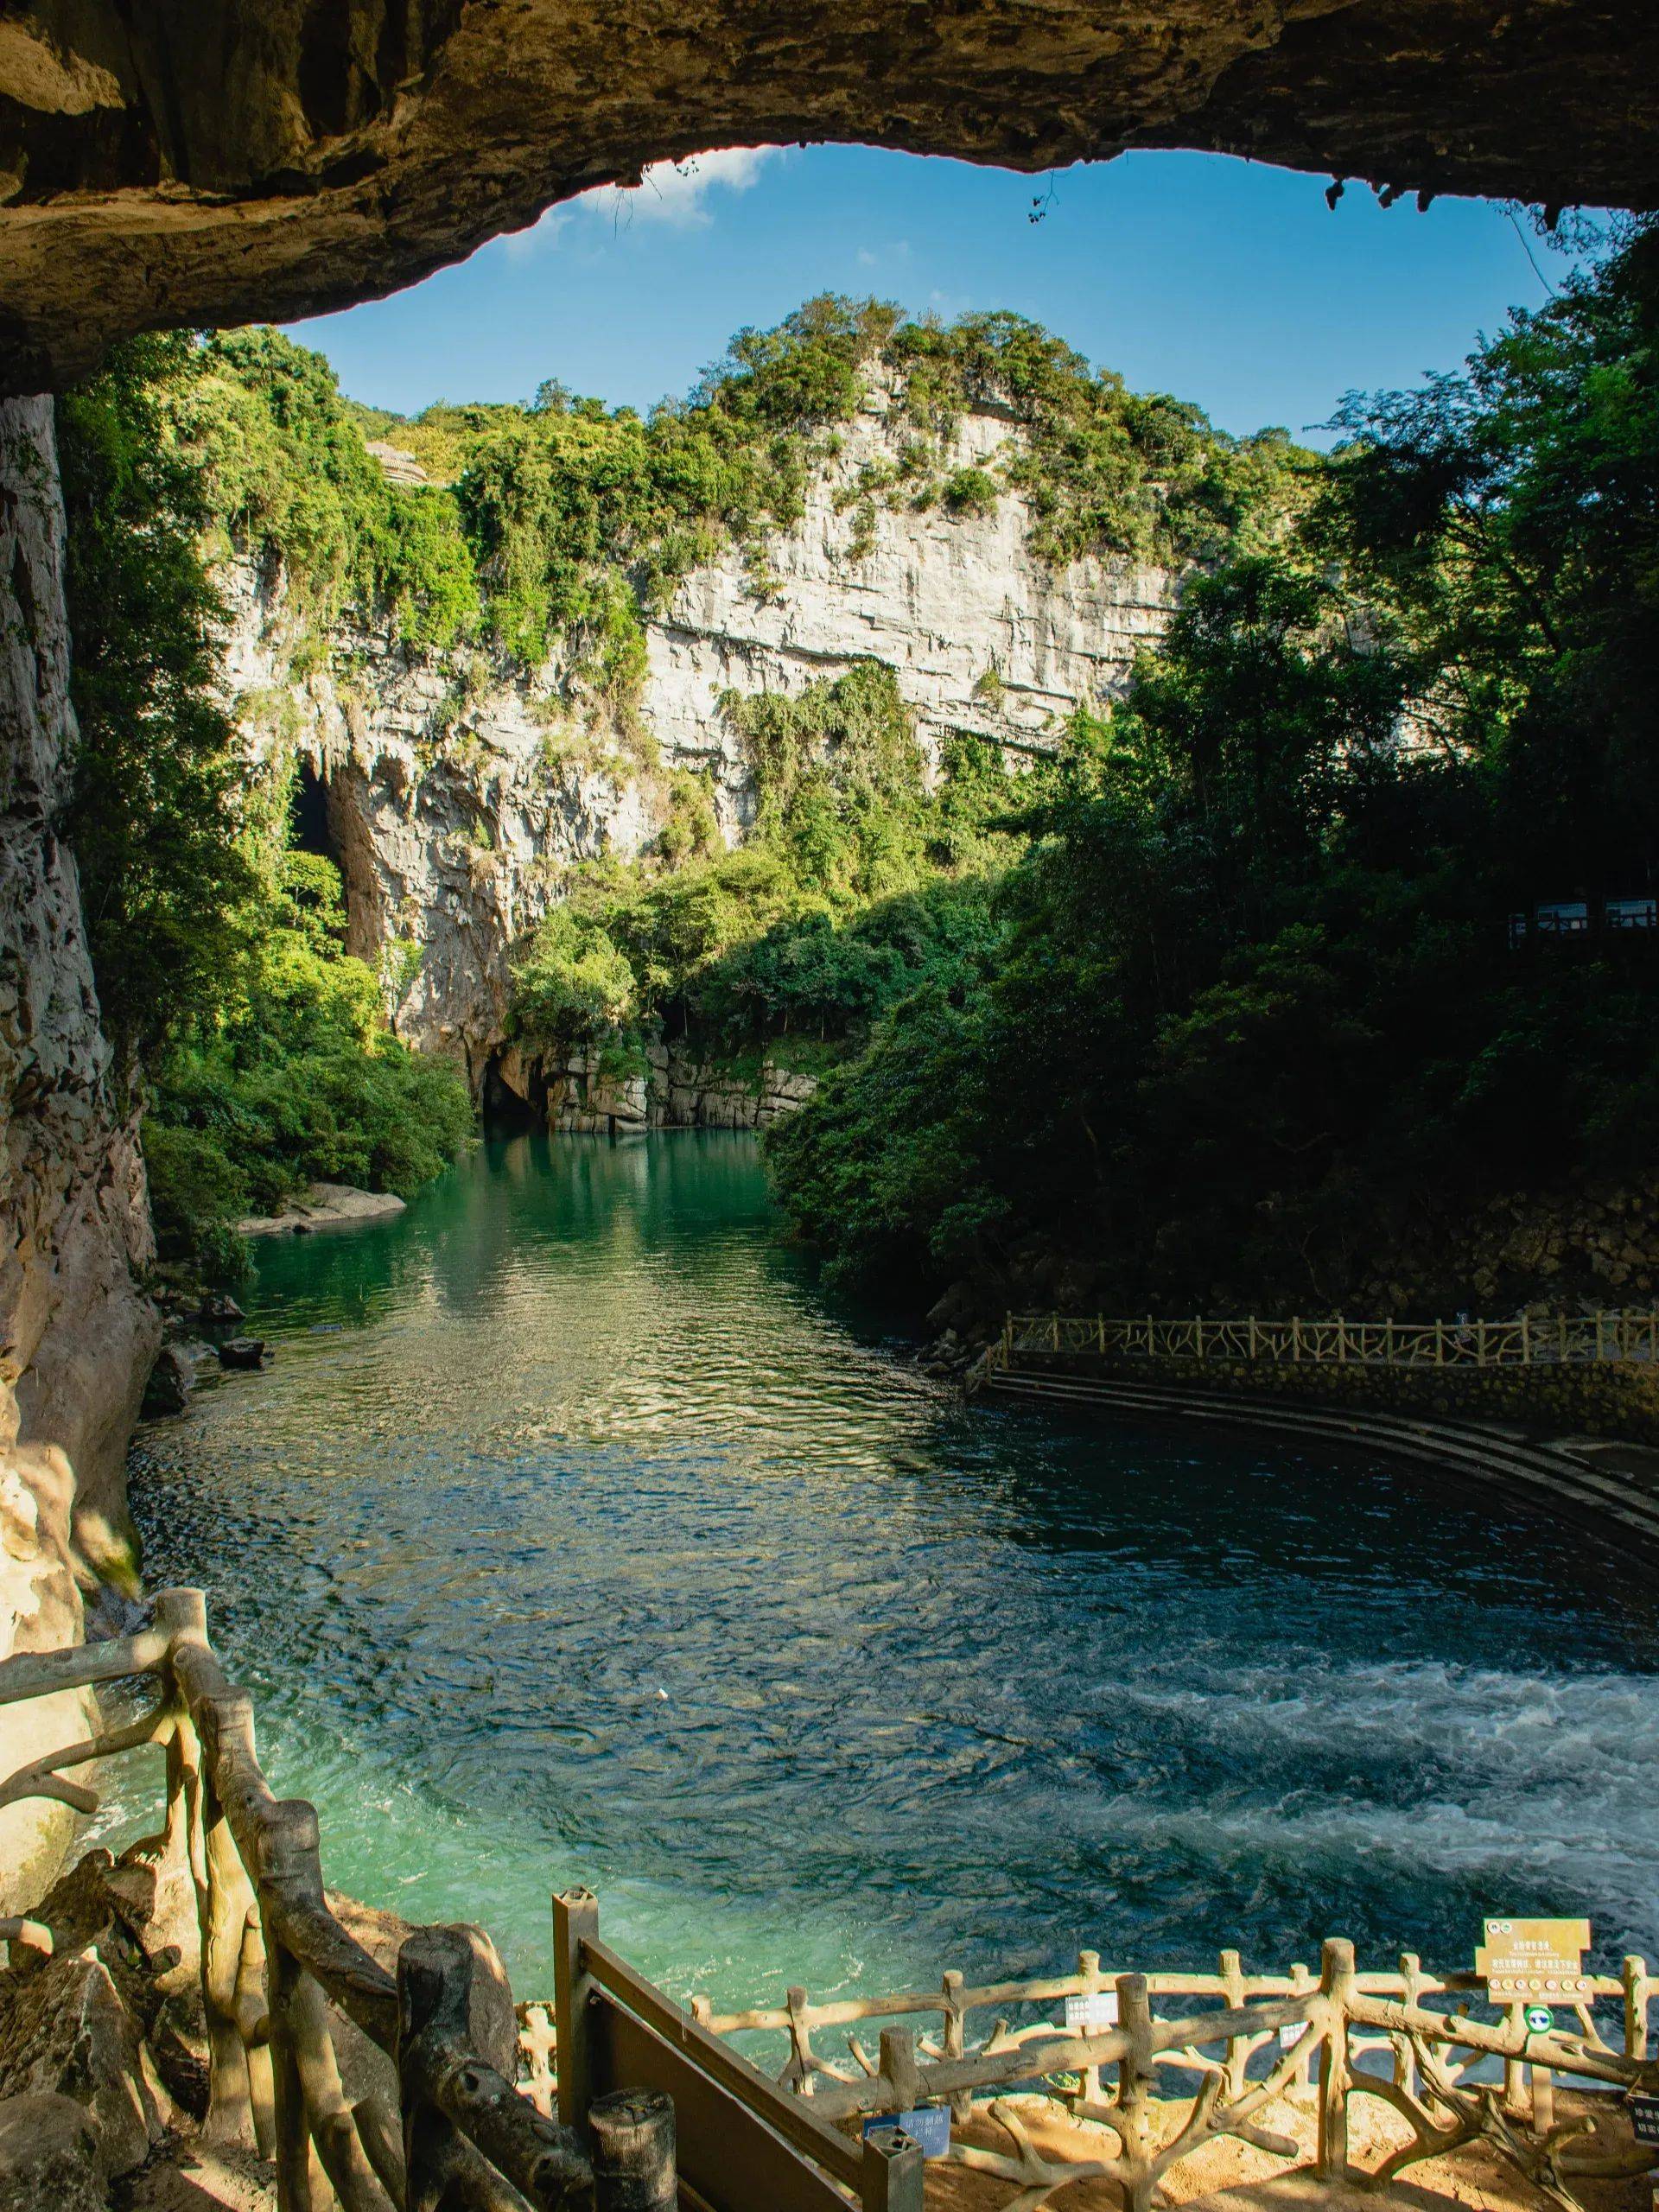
573,1534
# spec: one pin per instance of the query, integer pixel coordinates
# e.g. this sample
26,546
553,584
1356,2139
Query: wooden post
1100,1334
1295,1336
1405,2062
1562,1326
1335,1980
1543,2099
956,2037
1133,2120
894,2173
1387,1342
575,1921
1515,2068
1300,1982
1252,1336
224,1905
1526,1341
1480,1344
632,2132
1197,1339
1439,1342
425,2004
1232,1983
288,1853
1634,1978
1088,1967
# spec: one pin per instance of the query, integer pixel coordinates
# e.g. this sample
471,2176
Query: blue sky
1222,280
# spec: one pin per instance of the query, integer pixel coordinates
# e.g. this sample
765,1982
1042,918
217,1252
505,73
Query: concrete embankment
1606,1484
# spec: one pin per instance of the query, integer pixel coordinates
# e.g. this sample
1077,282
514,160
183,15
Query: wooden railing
1527,1341
278,1967
616,2071
1261,2038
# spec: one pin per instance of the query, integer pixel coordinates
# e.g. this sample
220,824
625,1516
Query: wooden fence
615,2069
1527,1341
1258,2038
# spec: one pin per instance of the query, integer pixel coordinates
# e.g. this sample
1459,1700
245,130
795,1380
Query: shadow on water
574,1534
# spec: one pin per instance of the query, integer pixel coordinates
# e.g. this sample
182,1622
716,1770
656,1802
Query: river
575,1533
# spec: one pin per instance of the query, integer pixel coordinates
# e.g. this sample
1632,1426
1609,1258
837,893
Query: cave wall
76,1334
227,161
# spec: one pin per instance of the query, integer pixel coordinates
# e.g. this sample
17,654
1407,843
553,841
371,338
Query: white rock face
955,605
459,789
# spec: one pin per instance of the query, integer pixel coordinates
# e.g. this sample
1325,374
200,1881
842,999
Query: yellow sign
1534,1958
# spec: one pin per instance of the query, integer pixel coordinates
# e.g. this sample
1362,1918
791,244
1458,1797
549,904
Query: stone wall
675,1089
1589,1245
1608,1398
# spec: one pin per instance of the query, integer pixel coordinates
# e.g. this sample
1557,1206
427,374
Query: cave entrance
309,829
504,1110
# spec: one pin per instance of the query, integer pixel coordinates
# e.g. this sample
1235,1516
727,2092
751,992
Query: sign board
1291,2034
928,2125
1534,1958
1087,2015
1644,2117
1540,2020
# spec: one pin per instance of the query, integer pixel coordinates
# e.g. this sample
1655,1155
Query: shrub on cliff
1255,1007
294,1080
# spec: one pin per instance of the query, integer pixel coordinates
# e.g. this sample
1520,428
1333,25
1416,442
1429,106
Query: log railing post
575,1921
287,1846
632,2132
1089,1969
1232,1984
1300,1982
1133,2116
956,2037
1336,1983
1634,1978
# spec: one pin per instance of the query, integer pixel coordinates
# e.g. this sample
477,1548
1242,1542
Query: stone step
1484,1451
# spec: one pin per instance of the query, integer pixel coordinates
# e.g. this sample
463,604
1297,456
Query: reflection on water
573,1534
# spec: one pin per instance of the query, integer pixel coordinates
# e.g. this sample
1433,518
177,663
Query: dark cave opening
309,828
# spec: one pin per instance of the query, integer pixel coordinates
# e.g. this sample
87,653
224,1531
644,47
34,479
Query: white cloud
674,193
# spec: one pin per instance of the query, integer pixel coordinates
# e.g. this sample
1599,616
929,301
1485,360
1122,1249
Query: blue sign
929,2125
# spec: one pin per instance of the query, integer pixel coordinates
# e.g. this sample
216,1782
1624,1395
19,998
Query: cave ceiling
193,161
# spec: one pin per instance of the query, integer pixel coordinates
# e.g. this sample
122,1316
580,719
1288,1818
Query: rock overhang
222,160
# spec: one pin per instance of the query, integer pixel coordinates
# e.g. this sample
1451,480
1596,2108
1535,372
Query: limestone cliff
76,1336
455,789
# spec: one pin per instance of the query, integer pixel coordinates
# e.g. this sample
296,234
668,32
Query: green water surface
575,1535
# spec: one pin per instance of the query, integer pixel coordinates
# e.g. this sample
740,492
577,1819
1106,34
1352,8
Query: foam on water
573,1534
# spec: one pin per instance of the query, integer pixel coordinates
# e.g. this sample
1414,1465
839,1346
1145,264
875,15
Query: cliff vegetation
1249,1007
259,1049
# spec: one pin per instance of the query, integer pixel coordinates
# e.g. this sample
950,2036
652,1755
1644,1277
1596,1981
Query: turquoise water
575,1535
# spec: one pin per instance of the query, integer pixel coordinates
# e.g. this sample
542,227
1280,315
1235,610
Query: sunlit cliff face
276,158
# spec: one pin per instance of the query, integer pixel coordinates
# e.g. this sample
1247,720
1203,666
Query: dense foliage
294,1080
855,882
259,1047
1251,1009
556,523
165,880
